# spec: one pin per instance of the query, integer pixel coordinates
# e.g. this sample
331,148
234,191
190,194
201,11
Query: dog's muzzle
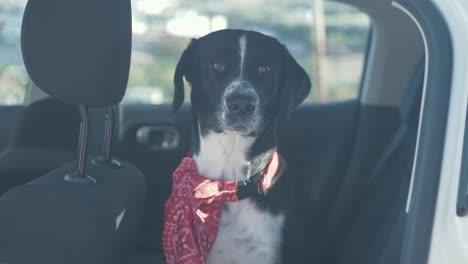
240,109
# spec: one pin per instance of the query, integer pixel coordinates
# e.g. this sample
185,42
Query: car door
438,201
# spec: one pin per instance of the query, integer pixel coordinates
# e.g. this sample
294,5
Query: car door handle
158,137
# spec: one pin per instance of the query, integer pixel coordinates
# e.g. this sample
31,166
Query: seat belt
406,108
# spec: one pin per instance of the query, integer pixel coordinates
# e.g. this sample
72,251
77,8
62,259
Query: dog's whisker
215,120
266,123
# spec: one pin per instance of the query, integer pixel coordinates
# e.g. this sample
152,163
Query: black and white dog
243,83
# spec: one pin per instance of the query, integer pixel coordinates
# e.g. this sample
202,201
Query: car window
162,29
13,76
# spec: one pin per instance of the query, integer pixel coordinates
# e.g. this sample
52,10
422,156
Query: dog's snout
241,104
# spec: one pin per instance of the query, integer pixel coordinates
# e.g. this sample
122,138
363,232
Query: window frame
422,196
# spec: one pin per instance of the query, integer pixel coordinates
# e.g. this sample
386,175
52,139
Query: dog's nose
241,104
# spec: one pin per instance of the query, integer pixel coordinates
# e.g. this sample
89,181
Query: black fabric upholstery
50,220
376,227
142,257
48,123
21,165
45,138
78,51
377,230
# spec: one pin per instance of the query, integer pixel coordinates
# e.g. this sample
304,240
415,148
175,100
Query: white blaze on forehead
242,46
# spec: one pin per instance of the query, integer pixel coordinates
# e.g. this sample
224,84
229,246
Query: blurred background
328,39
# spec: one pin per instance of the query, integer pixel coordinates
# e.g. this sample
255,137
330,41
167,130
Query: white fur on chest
223,156
247,234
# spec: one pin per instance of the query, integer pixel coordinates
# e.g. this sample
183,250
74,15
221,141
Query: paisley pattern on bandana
193,211
192,214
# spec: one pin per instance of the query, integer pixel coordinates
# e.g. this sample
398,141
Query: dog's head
241,81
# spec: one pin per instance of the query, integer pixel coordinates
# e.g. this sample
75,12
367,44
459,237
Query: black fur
280,92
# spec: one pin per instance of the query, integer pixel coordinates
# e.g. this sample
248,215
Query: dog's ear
185,67
296,85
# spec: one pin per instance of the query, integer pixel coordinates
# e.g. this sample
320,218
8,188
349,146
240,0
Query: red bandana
193,211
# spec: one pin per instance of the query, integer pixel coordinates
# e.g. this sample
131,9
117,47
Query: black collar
255,185
251,187
260,183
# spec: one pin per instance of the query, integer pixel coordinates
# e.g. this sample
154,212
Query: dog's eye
262,70
218,66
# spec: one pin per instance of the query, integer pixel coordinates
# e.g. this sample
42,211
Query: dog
243,83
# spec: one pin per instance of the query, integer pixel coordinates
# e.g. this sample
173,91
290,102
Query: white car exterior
449,243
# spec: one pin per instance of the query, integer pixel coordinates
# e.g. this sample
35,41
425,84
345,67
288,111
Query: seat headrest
48,124
78,51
